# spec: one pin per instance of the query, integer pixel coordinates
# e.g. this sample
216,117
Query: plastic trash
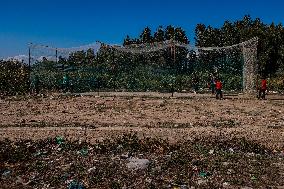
225,184
21,181
91,169
37,154
183,186
253,178
177,186
203,174
83,152
6,173
76,185
59,139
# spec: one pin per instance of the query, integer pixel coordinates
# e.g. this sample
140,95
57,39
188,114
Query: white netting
157,46
247,49
40,52
144,48
250,67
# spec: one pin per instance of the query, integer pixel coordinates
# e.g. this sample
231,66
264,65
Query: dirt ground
185,116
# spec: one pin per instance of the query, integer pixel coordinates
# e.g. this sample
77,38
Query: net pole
114,68
29,88
173,54
56,54
175,66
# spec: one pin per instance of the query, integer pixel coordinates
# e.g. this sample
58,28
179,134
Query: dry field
184,117
190,141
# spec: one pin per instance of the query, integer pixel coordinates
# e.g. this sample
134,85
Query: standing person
212,85
219,94
36,84
262,89
65,83
195,82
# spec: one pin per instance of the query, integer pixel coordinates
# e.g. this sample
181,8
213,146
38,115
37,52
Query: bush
14,78
276,84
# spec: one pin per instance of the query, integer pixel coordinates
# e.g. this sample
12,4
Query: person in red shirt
219,94
262,89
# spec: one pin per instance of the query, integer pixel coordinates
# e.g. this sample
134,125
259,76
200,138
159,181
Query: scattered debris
139,162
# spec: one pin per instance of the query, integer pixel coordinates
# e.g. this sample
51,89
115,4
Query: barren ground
186,116
62,141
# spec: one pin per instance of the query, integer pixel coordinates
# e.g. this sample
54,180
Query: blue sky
68,23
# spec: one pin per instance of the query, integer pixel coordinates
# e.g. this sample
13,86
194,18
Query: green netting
141,76
161,67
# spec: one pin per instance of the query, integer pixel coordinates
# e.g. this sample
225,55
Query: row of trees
270,46
146,71
181,68
78,58
161,34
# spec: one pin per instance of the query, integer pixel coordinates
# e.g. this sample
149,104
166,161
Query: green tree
146,36
90,56
77,58
270,44
159,35
127,41
14,77
180,35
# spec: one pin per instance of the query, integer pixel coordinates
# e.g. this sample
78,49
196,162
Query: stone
136,164
211,152
124,156
225,184
91,169
201,181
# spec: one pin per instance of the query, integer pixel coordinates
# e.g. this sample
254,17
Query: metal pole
113,68
29,57
173,50
176,66
30,67
56,55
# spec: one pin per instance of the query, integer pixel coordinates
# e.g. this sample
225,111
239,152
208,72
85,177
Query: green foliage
271,38
276,83
14,78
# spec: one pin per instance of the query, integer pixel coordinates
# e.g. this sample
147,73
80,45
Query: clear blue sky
66,23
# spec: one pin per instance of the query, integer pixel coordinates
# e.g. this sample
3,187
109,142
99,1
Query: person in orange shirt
219,93
262,89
